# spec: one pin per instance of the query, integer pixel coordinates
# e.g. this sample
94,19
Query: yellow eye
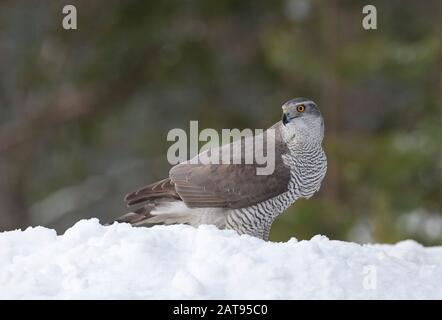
300,108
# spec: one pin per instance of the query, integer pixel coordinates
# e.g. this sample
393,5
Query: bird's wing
163,189
231,185
219,185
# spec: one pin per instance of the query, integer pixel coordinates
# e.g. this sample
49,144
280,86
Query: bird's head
302,121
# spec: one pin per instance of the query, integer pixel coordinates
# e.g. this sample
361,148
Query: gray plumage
233,196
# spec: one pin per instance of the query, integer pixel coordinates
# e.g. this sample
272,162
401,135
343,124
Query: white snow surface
91,261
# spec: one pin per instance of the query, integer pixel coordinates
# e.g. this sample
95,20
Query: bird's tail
135,217
174,212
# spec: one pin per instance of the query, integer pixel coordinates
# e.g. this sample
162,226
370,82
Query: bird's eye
300,108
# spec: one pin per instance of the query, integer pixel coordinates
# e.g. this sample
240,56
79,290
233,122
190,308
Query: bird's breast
308,168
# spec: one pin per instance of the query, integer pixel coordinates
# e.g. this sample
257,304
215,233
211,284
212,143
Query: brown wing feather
218,185
160,189
230,185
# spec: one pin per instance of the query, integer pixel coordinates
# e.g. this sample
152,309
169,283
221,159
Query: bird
234,196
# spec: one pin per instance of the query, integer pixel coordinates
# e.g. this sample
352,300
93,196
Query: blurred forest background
84,114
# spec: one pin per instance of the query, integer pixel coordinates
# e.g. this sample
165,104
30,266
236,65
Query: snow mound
180,262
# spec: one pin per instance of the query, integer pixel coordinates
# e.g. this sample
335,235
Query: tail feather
136,216
168,212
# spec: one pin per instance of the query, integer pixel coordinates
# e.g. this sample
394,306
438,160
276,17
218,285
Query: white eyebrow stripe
304,102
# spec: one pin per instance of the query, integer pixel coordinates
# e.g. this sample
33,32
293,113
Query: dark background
84,114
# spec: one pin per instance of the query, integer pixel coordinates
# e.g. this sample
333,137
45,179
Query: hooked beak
285,119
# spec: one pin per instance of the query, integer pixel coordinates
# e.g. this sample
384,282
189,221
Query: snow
181,262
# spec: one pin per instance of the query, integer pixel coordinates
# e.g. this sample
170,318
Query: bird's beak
285,119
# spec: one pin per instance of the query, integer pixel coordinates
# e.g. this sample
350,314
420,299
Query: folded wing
217,185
